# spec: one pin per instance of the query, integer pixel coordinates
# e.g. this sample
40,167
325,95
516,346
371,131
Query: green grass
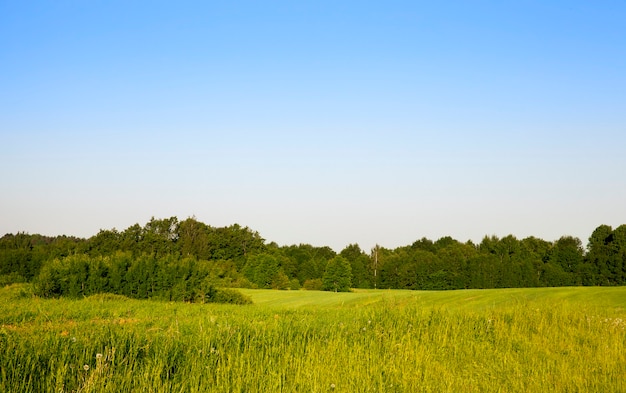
469,299
507,340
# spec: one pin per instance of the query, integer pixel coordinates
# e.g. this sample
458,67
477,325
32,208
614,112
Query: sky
320,122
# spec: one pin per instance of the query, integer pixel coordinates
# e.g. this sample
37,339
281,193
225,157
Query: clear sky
321,122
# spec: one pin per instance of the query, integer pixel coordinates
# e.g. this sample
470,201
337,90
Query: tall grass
497,341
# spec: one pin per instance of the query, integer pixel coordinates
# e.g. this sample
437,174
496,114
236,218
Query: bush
280,281
314,284
229,296
243,282
11,278
294,284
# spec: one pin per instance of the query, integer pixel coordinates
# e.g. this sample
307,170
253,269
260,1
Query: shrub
243,282
229,296
294,284
11,278
314,284
280,281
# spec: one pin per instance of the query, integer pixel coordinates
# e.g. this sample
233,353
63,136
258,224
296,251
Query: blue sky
323,122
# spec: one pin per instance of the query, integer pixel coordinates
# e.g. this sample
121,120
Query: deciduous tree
338,275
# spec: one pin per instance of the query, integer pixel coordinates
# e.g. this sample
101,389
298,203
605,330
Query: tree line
186,260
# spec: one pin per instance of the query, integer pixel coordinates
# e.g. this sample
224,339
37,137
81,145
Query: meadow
502,340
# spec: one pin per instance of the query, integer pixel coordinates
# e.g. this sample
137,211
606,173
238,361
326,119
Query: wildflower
332,385
86,367
98,356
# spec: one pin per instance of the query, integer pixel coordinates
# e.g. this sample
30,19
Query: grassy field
508,340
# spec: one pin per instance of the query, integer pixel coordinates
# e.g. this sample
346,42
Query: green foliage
313,284
338,275
22,255
227,296
308,262
262,269
234,243
143,277
607,256
11,278
171,259
359,263
294,284
193,238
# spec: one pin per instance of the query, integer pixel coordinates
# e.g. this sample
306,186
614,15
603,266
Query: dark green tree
454,261
424,244
618,266
359,263
159,237
105,242
234,243
308,261
130,239
262,270
599,255
566,256
338,275
193,238
534,254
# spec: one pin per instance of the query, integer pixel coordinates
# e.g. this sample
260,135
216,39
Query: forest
187,260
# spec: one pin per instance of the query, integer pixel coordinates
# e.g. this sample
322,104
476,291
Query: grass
469,299
507,340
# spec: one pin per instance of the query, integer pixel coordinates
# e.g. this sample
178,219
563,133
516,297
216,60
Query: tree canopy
173,259
338,275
